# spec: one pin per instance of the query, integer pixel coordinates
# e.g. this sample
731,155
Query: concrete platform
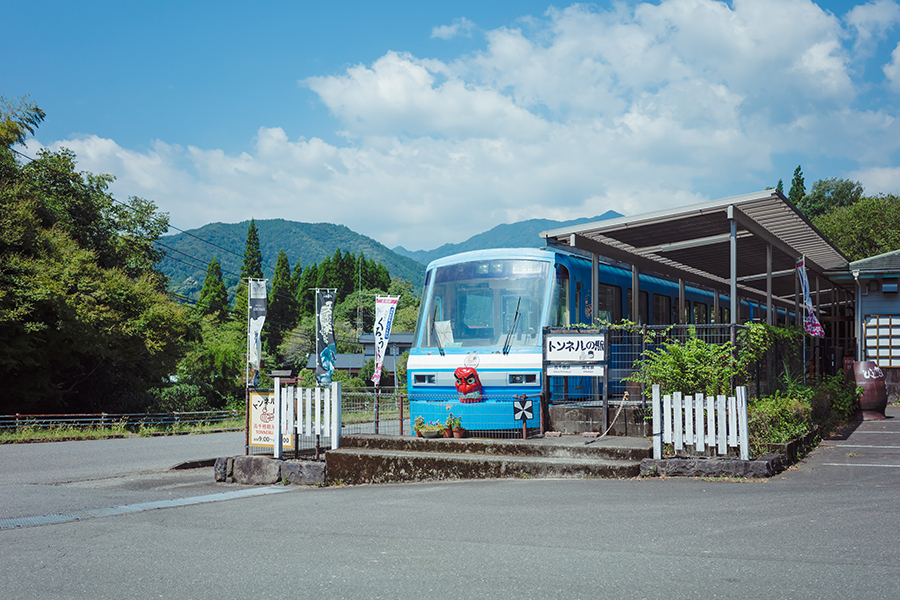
386,459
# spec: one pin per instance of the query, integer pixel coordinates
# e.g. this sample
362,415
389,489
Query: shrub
777,419
688,367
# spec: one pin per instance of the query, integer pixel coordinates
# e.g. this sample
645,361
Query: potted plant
419,424
432,429
454,424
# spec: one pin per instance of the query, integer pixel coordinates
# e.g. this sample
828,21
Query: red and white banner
811,323
385,307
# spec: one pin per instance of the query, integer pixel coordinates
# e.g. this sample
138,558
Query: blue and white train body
487,309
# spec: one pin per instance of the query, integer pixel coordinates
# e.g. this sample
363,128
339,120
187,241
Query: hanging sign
326,349
257,317
811,323
385,307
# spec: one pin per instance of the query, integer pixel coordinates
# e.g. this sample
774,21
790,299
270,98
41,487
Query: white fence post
335,415
699,435
721,429
678,420
276,443
743,432
657,434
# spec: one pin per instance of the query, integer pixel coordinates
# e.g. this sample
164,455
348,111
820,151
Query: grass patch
64,433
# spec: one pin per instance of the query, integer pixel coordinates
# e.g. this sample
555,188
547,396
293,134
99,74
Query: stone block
301,472
256,470
221,469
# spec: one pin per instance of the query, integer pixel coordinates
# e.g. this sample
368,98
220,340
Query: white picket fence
700,421
313,411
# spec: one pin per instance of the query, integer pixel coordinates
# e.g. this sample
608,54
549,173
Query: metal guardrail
18,421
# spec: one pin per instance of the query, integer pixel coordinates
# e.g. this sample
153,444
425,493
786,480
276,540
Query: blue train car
481,321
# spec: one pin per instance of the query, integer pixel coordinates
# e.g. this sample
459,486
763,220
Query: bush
689,367
793,413
777,419
179,397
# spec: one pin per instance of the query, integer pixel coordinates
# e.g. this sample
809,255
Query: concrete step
564,447
373,465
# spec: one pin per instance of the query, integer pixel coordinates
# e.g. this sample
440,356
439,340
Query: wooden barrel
874,397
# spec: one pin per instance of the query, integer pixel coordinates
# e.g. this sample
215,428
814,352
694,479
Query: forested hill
187,257
524,234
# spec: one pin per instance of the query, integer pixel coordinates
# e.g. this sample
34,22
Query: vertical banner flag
811,323
385,307
257,309
326,350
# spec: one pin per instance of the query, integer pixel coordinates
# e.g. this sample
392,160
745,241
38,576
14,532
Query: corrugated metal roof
693,243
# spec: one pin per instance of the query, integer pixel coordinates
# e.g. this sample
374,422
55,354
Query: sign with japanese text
385,306
575,347
262,420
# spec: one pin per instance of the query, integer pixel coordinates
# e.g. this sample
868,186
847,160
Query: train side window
609,303
724,315
701,313
559,311
686,317
643,306
662,310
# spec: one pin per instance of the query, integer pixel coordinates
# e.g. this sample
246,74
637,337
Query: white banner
257,309
385,307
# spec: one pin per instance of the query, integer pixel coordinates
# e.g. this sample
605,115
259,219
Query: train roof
545,254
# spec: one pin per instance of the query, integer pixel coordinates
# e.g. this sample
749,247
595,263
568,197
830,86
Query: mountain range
188,253
523,234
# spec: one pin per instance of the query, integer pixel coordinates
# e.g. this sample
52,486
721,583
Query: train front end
477,345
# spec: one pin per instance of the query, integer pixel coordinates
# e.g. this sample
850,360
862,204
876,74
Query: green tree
798,187
18,119
210,376
305,292
213,296
281,312
780,187
251,268
296,274
829,194
863,229
84,321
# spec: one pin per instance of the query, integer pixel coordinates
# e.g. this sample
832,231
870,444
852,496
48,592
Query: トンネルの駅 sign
575,347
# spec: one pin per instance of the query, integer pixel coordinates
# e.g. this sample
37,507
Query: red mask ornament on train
468,385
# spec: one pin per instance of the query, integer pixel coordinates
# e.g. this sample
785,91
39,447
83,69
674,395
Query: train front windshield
484,304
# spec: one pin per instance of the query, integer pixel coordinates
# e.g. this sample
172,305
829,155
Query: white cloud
872,21
461,26
892,70
878,179
584,110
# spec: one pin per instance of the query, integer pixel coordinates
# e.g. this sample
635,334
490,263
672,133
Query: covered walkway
745,247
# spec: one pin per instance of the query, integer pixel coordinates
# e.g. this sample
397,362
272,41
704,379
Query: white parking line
859,465
855,432
862,446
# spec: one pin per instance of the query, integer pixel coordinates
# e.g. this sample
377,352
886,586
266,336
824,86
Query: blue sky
420,124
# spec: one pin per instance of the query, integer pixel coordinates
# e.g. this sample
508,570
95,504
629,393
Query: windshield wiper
434,330
512,327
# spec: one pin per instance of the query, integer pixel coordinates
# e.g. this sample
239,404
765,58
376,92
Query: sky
419,124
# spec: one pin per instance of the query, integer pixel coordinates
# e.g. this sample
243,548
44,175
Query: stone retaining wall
764,466
259,470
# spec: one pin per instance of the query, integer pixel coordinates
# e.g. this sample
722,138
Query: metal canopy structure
743,246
